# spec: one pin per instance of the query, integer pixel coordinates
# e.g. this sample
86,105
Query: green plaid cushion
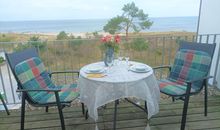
188,65
32,75
67,94
173,87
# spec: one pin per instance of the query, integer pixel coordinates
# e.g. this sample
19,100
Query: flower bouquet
110,44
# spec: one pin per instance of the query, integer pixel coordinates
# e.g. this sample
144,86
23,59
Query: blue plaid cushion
67,94
188,65
32,75
174,88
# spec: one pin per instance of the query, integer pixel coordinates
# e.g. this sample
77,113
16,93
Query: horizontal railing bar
87,39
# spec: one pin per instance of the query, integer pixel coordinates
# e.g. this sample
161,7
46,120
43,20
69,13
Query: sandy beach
25,36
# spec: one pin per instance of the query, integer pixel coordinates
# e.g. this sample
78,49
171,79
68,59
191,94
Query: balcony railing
73,54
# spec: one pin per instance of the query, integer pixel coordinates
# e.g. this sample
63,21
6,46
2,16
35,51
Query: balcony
73,54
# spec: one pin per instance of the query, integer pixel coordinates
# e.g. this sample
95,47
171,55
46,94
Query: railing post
10,80
193,38
163,55
217,62
207,39
3,85
200,38
170,48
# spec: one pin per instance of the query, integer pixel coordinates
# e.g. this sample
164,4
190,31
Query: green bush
139,44
95,34
62,36
179,39
21,46
36,42
32,42
75,44
5,38
1,59
79,37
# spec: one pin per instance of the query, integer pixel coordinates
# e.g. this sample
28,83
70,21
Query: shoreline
18,37
100,33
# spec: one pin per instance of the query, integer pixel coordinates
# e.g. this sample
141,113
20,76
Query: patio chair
4,104
189,74
36,86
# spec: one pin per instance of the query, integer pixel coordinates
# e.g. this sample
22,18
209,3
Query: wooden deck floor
129,117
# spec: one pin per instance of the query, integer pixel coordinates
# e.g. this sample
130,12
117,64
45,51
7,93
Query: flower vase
109,56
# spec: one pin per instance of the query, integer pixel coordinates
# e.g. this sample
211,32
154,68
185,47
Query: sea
160,24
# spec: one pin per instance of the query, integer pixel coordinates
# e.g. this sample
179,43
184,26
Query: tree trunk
126,34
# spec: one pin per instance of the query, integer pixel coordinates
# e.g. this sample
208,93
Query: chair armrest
199,79
33,90
161,67
61,72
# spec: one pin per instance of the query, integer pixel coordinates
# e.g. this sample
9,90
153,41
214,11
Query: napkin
95,75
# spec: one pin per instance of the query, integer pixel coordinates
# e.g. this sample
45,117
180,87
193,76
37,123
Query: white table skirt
119,83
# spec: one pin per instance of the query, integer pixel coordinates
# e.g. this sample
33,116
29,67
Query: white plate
95,69
140,68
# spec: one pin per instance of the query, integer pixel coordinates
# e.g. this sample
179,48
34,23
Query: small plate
140,68
95,69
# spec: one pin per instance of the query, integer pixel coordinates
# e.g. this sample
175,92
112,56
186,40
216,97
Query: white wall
210,17
210,24
9,90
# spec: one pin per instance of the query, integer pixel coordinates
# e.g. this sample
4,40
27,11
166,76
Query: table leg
115,114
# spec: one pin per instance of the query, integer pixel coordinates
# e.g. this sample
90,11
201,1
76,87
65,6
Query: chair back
30,73
208,48
192,61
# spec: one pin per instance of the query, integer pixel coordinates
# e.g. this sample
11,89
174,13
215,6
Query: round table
118,82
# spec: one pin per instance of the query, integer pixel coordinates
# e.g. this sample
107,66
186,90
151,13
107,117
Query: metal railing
73,54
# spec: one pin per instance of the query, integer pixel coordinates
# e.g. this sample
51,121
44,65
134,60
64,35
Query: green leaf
139,44
62,35
113,25
131,18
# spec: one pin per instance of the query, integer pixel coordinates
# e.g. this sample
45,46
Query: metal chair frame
17,57
209,48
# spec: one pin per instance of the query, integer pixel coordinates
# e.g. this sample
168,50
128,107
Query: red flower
110,40
117,39
103,39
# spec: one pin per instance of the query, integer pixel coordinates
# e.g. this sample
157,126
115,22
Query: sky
22,10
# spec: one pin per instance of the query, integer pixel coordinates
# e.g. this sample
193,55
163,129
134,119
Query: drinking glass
127,58
109,63
120,57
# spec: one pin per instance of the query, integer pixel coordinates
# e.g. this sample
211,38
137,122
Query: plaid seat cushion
173,87
32,75
67,94
188,65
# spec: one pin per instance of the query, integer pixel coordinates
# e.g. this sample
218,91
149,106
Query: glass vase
109,56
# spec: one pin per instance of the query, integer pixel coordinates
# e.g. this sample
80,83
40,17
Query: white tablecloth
118,83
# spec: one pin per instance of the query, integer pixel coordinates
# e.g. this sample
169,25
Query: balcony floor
129,117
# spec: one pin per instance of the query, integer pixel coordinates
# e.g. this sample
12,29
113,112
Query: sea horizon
160,24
